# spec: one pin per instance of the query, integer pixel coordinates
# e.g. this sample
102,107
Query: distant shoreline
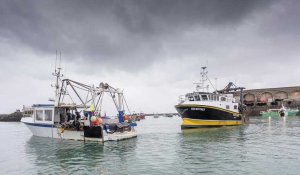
13,117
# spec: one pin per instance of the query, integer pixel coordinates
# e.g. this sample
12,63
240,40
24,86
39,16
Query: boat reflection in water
213,132
73,157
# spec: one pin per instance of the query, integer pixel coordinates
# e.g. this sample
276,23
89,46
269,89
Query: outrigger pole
119,105
96,92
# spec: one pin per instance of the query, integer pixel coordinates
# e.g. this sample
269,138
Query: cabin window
39,115
48,115
227,106
191,98
235,106
210,97
223,99
197,98
28,112
204,97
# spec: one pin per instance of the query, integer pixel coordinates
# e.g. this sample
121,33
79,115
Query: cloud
152,49
115,33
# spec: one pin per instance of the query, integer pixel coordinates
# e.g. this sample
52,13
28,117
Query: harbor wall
258,100
13,117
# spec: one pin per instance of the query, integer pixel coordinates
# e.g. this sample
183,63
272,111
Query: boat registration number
198,109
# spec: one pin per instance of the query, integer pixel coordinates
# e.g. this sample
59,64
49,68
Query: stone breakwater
13,117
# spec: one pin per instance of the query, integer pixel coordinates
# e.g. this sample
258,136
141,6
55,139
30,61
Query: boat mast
204,78
200,87
95,92
58,75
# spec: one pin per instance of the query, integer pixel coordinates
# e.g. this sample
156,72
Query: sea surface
265,146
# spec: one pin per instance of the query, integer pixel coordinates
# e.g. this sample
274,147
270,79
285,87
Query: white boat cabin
225,101
47,114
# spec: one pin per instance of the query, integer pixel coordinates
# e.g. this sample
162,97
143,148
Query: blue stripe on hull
40,125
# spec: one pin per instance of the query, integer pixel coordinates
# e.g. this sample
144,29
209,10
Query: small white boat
282,112
79,121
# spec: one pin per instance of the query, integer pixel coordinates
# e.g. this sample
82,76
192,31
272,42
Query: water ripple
262,147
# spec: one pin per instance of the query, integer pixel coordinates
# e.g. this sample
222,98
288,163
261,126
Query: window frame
43,118
39,112
223,98
46,117
197,98
203,99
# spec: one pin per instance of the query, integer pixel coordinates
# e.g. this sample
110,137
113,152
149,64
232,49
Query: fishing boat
205,109
282,112
137,116
76,113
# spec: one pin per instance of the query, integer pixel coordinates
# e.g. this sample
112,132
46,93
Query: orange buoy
126,117
96,123
99,121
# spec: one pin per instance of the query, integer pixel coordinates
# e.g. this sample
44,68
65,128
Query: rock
13,117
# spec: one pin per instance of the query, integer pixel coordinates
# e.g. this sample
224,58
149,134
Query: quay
162,114
258,100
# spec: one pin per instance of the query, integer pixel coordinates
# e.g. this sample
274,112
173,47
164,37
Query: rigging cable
113,97
126,105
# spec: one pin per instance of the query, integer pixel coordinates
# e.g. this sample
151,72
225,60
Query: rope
126,105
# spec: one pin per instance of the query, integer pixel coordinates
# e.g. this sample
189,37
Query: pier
162,114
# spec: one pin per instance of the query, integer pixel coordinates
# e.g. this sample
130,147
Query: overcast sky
153,49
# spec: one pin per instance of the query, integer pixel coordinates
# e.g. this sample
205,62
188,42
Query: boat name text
198,109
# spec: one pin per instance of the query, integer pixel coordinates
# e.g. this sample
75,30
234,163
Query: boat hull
270,114
207,116
293,112
51,131
288,113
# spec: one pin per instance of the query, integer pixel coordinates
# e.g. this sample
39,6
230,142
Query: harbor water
265,146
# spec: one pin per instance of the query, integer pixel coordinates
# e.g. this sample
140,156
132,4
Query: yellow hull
199,123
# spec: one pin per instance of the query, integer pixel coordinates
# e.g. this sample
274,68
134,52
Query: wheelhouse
198,96
225,101
43,113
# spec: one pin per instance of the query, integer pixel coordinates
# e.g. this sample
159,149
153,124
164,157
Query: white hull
42,130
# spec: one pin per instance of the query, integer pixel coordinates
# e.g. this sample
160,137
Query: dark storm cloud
249,42
285,20
153,17
129,33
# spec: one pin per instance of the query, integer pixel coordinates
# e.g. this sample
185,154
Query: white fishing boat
79,118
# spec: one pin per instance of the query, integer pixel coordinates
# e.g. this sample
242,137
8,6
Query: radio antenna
55,61
59,59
